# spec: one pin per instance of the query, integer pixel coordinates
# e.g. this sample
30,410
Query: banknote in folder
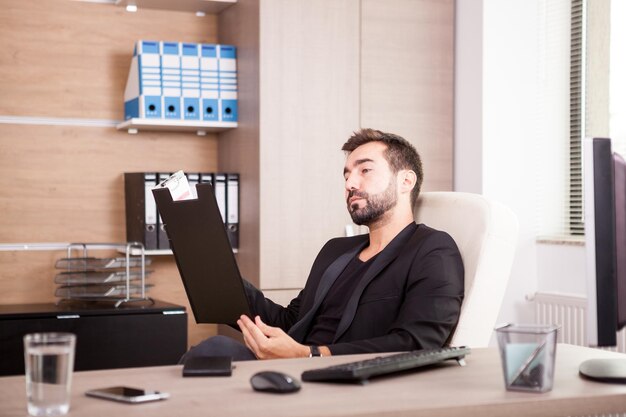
178,185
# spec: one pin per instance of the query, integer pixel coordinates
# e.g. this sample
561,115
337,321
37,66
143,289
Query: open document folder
203,253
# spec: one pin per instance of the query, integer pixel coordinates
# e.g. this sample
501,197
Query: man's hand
269,342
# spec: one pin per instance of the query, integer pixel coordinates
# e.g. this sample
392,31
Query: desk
474,390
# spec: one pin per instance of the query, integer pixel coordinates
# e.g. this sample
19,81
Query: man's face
371,188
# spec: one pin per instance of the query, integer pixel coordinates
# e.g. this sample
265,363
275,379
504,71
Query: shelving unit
204,6
201,128
155,252
86,191
148,252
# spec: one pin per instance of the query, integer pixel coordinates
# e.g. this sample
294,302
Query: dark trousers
220,346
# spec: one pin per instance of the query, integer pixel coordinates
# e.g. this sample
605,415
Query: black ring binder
204,256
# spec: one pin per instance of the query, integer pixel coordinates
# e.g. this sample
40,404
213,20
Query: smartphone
127,394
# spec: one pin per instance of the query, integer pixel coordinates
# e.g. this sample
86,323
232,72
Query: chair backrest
486,234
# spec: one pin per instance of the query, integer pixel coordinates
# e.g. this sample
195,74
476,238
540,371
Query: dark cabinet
132,335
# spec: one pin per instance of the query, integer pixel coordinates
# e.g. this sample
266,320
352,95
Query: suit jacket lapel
300,329
383,259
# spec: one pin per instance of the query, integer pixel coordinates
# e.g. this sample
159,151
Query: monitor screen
604,176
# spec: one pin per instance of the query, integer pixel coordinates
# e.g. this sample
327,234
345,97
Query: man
398,288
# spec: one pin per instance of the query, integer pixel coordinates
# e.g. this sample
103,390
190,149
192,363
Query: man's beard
376,205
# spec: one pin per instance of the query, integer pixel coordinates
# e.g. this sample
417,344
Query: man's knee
219,346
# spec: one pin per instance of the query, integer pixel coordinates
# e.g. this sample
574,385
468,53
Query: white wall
509,147
468,106
509,119
561,269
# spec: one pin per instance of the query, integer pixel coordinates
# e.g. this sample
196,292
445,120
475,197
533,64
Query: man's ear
407,180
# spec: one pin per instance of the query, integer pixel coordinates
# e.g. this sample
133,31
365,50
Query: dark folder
141,213
232,209
204,256
163,241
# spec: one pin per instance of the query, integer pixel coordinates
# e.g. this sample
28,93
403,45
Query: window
574,219
597,90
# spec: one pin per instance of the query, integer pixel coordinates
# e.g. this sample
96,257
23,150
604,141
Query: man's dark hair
400,154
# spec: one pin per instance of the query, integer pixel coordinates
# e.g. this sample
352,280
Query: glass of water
49,360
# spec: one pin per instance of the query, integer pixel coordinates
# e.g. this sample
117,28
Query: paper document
178,186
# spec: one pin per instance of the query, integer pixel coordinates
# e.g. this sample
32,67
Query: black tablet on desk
204,256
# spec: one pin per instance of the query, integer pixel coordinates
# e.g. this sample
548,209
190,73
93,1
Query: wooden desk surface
476,389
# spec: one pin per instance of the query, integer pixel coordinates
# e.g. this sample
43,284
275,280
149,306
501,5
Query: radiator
568,311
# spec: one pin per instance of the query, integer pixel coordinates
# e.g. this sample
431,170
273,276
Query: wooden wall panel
66,183
309,75
65,58
239,148
407,78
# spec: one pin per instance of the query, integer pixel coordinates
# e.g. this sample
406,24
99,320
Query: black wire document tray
97,277
204,255
98,292
97,264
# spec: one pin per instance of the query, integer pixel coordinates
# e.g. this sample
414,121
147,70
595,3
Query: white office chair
486,234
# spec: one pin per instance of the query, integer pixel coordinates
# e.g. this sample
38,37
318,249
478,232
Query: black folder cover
204,256
208,366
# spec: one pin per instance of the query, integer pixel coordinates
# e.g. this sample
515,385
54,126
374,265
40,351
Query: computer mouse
272,381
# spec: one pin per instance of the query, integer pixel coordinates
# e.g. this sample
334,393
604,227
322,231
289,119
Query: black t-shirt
331,309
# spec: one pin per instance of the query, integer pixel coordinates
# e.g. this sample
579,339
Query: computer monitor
604,177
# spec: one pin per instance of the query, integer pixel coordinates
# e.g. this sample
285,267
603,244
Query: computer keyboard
361,371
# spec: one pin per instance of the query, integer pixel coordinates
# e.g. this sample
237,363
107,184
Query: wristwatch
315,351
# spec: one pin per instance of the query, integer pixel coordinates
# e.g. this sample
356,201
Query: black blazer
410,298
